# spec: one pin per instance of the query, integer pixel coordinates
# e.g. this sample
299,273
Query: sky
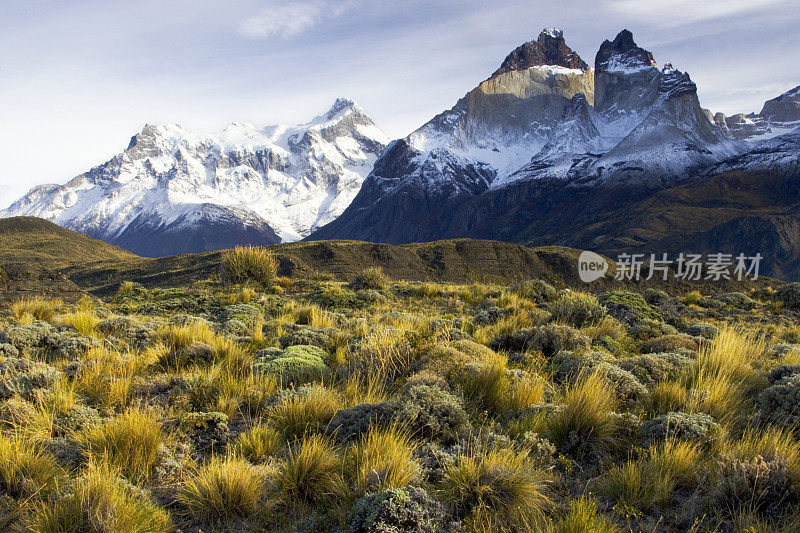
78,78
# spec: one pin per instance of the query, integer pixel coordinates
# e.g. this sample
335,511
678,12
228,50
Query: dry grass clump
26,472
500,490
584,421
27,309
582,517
306,412
99,502
310,474
383,458
130,443
371,278
84,321
108,376
259,443
489,387
312,315
224,490
245,264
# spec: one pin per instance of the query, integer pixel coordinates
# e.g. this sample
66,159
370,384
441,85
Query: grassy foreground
306,404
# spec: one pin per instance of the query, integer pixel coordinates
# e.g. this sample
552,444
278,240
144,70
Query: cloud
291,18
673,13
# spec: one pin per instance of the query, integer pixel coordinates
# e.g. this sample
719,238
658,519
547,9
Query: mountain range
615,157
172,191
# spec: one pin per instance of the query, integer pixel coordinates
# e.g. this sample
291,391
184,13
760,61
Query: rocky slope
174,191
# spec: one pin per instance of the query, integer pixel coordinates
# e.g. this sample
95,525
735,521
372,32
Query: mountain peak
623,55
549,48
341,104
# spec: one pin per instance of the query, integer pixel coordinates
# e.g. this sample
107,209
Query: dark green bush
549,339
536,290
304,335
371,278
669,343
780,402
431,413
738,300
649,369
207,431
7,350
397,511
697,427
789,294
248,314
628,307
350,424
576,309
706,331
68,344
757,485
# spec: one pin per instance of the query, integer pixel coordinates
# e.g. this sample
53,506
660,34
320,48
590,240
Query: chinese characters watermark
686,266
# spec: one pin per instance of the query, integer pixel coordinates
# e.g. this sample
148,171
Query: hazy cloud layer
79,78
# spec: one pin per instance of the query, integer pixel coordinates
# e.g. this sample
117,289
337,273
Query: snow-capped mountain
618,158
174,191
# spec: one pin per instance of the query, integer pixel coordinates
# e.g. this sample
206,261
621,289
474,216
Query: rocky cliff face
175,191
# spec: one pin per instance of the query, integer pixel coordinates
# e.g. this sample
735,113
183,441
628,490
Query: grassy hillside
256,402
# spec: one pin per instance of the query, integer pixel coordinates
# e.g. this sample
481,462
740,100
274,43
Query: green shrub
26,338
789,294
755,486
431,413
577,309
656,367
397,511
738,300
628,307
297,364
248,314
25,378
350,424
249,264
306,336
625,384
549,339
706,331
208,431
670,343
695,427
780,403
371,278
536,290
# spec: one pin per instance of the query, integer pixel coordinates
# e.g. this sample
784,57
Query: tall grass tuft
249,264
499,490
582,517
383,458
26,309
583,422
100,502
259,443
84,321
25,472
130,443
310,473
223,490
309,412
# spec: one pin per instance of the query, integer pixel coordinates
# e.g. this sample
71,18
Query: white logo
591,266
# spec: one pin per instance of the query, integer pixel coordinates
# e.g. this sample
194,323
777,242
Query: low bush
25,378
789,295
628,307
780,403
549,339
695,427
433,414
350,424
758,485
536,290
296,364
669,343
207,431
577,309
656,367
397,511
